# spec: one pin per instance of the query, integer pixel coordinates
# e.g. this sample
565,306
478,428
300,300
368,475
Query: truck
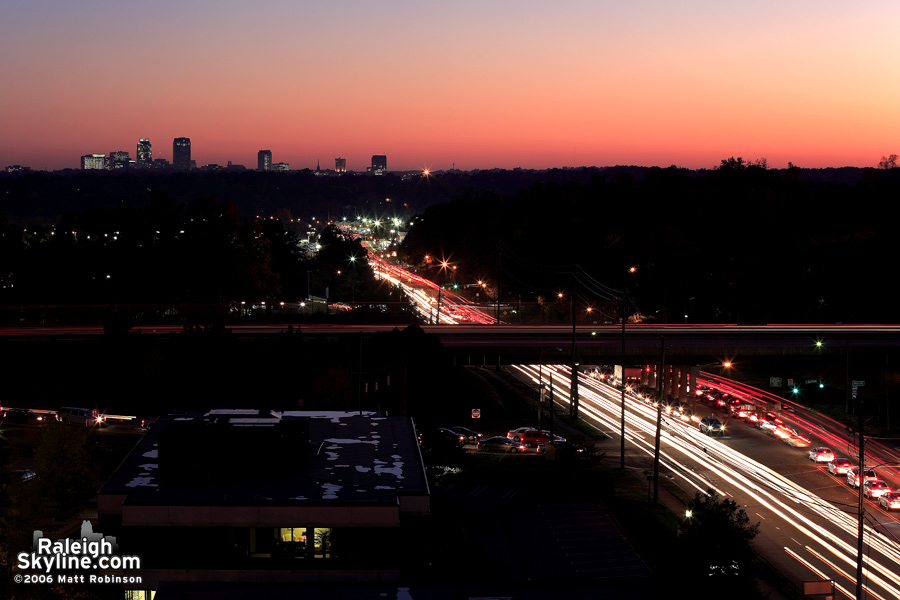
631,374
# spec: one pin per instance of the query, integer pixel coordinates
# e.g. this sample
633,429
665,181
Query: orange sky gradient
479,84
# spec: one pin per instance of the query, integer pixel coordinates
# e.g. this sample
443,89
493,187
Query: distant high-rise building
93,162
264,160
379,163
119,159
144,154
181,154
340,165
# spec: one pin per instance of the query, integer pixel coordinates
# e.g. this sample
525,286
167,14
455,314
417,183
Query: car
147,422
889,500
853,476
472,436
783,432
533,437
839,466
500,444
22,416
798,441
81,416
769,422
448,435
874,489
515,434
740,410
711,425
24,475
441,439
566,450
824,455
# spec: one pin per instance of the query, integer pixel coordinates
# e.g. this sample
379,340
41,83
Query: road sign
775,382
476,413
859,383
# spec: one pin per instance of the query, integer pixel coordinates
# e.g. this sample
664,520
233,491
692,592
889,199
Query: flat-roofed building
181,153
93,162
144,153
252,497
264,160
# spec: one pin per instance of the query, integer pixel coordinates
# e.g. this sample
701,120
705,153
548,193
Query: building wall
181,153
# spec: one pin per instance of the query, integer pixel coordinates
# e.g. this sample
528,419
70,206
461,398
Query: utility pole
660,386
862,507
573,387
622,426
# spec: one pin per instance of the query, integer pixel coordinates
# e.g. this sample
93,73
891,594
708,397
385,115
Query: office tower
119,159
264,160
340,165
181,154
379,163
144,154
93,162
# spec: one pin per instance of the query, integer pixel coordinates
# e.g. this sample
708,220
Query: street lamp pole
861,507
659,386
622,424
573,398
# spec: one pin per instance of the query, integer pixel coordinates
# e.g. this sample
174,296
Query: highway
808,516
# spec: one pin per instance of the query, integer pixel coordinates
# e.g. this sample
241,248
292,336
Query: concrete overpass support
673,382
695,375
683,389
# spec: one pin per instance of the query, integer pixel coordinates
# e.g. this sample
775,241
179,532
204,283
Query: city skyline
482,85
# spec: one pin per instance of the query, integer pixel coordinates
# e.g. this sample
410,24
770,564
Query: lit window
322,540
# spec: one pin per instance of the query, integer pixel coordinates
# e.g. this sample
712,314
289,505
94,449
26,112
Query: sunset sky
481,84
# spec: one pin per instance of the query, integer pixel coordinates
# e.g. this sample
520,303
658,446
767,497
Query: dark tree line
739,244
171,252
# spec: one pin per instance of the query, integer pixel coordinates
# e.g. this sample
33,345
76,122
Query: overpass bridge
685,344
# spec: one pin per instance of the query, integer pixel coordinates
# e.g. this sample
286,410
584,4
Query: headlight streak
818,572
842,572
732,466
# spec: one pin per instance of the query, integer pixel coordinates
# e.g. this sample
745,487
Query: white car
824,455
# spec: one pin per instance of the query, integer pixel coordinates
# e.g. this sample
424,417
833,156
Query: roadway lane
808,520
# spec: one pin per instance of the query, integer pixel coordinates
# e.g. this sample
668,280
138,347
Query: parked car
711,425
450,435
565,450
24,475
81,416
22,416
441,439
533,437
824,455
874,489
839,466
853,476
500,444
889,501
472,436
516,434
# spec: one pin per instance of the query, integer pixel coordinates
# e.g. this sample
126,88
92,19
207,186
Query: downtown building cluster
182,161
